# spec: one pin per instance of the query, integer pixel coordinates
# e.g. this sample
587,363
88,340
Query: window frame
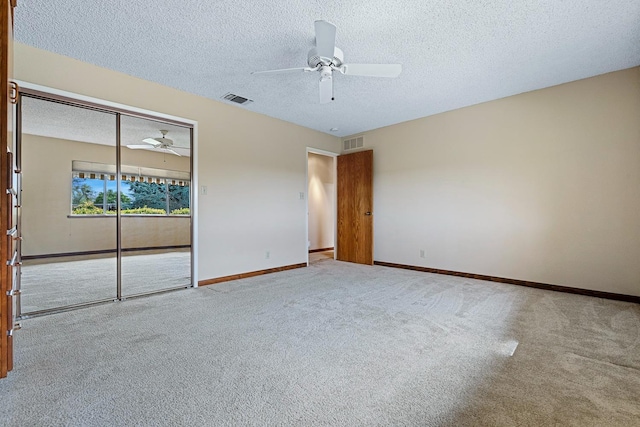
106,172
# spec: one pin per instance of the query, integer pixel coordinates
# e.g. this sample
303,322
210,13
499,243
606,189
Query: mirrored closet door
106,204
68,226
155,205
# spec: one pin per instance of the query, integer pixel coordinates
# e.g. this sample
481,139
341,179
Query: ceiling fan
157,144
327,58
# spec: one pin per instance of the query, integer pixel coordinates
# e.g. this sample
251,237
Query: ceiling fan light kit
327,58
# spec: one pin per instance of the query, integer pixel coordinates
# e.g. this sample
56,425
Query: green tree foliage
87,208
82,192
178,197
147,194
153,195
111,198
181,211
144,211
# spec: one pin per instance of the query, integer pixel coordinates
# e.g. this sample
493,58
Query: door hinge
14,260
15,91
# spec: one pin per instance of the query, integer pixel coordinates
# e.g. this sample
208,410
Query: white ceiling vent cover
353,143
237,99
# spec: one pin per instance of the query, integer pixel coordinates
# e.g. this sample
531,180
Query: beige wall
321,196
542,186
46,201
253,165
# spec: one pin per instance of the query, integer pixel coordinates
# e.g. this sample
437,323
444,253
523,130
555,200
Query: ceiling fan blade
169,150
140,147
151,141
326,90
371,70
285,70
325,38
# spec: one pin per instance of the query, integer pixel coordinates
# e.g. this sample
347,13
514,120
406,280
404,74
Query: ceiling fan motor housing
314,59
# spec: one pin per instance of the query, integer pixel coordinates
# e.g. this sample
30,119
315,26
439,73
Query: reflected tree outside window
136,197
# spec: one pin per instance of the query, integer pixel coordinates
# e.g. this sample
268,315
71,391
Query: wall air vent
353,143
237,99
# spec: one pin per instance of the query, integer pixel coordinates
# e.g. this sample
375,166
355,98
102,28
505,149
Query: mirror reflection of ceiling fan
161,144
327,58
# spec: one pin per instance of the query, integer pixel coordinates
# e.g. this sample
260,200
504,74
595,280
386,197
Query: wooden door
355,207
8,198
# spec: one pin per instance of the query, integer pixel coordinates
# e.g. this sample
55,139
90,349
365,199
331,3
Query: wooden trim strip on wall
102,251
545,286
320,250
250,274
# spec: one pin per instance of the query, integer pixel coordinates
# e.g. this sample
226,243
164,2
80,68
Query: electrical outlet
421,253
301,195
203,190
267,254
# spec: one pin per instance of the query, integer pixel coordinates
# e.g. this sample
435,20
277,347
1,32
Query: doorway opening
321,205
106,204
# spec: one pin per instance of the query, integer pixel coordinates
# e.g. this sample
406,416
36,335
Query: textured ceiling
51,119
453,53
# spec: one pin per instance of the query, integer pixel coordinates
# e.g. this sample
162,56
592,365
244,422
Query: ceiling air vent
237,99
353,143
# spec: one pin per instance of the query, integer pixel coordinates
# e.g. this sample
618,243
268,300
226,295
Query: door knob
367,213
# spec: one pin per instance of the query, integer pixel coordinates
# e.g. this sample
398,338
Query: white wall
321,196
253,165
542,186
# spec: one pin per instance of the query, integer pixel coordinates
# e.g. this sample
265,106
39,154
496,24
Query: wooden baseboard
546,286
320,250
102,251
250,274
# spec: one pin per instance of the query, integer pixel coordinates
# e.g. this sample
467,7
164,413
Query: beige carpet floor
58,282
332,344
